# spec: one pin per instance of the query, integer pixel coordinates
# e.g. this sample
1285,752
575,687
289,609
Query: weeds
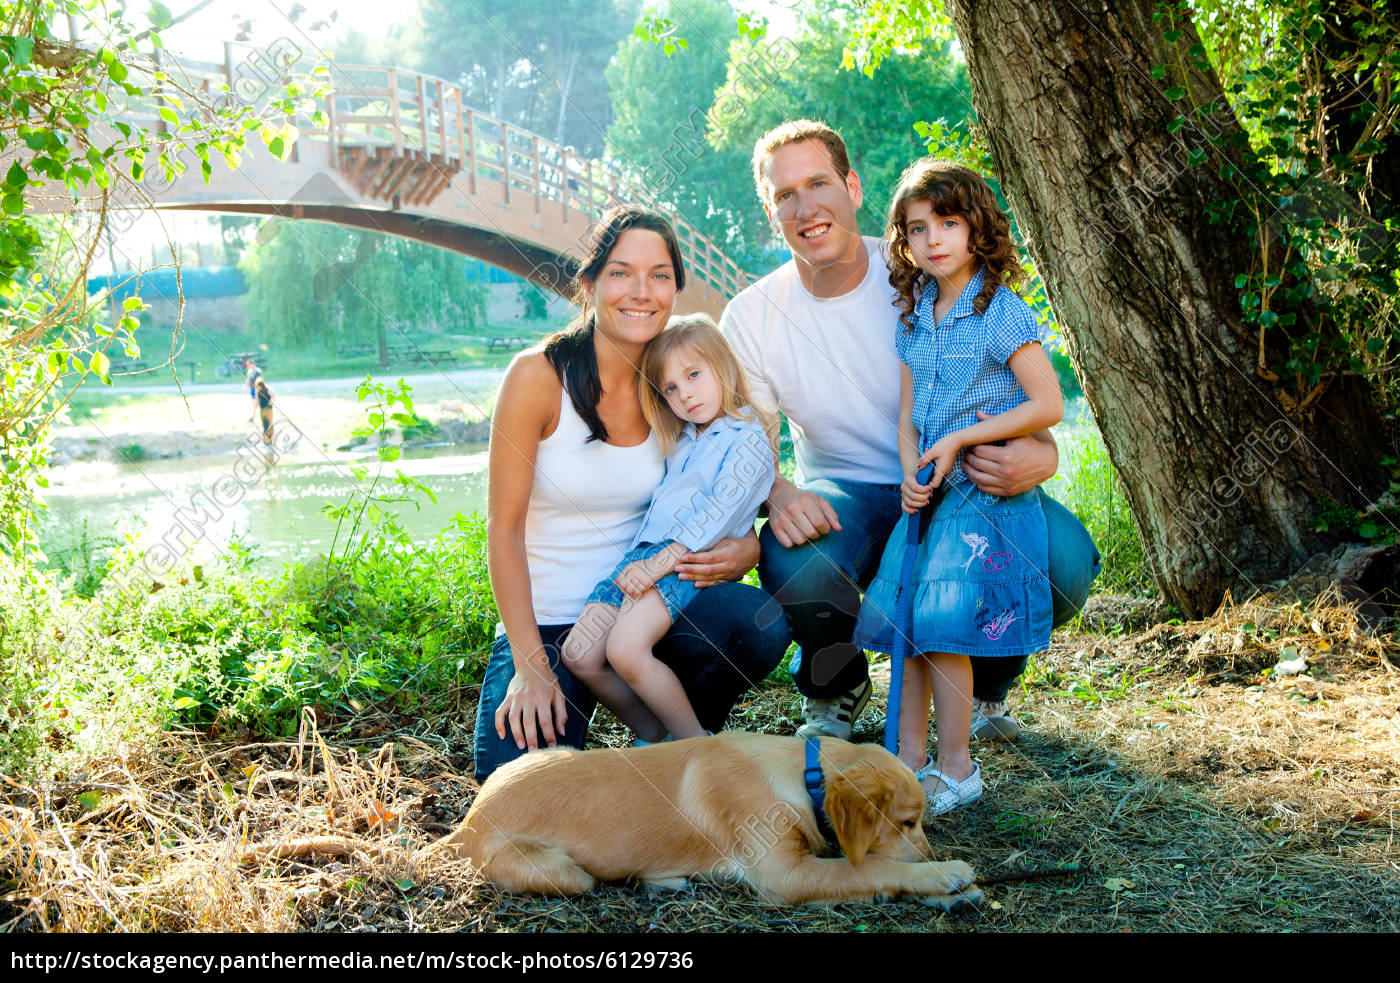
1088,486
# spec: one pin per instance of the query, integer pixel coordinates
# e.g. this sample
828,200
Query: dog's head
875,805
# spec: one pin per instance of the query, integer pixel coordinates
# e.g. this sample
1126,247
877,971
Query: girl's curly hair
951,189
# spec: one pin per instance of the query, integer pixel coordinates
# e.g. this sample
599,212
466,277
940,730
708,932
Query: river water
203,503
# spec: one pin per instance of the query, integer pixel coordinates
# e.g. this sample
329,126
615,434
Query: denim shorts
677,593
979,584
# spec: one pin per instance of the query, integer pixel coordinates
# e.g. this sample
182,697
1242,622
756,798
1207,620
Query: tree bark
1221,480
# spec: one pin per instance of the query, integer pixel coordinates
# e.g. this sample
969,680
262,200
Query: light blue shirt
959,365
715,481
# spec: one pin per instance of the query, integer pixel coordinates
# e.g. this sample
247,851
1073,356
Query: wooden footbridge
402,154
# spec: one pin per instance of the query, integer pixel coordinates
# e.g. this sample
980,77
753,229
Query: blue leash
915,524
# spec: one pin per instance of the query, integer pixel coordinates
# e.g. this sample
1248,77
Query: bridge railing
375,106
378,106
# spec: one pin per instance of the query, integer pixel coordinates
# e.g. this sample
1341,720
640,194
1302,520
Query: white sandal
954,793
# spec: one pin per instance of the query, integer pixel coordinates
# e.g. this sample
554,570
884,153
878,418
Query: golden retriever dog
730,807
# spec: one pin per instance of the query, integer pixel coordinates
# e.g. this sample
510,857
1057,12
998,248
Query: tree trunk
1221,480
566,82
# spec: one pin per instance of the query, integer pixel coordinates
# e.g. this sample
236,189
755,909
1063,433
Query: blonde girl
719,467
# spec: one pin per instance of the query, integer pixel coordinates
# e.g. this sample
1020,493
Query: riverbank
126,426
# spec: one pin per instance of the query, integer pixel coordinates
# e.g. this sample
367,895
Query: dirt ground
1190,785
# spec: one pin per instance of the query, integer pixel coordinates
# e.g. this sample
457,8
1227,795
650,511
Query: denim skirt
677,593
979,584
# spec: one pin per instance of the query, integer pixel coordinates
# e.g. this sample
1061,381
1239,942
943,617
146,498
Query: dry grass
1195,790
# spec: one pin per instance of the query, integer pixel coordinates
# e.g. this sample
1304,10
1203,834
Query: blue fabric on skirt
979,580
677,593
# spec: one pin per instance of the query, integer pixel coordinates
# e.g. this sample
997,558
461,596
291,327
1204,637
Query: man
816,338
261,394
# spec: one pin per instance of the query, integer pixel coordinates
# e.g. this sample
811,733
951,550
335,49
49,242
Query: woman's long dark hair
571,352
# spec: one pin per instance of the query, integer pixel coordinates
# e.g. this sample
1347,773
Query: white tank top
586,504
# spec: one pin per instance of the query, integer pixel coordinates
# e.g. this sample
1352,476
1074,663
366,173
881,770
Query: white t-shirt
829,364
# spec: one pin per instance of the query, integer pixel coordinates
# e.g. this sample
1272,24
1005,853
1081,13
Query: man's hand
798,517
1018,467
729,560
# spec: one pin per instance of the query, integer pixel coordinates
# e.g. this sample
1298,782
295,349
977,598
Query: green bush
81,675
1089,487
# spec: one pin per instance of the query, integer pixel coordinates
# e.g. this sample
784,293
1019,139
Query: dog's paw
970,895
658,884
952,876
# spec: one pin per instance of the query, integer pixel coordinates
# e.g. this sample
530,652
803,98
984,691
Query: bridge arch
402,155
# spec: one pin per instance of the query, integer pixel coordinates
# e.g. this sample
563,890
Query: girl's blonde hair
698,334
951,189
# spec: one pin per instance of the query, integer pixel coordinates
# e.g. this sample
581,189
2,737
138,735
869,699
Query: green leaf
90,800
99,363
1241,279
1175,92
15,177
404,884
159,15
168,114
117,71
185,703
229,795
12,204
277,146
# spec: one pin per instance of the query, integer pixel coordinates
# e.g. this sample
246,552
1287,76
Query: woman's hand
535,708
728,560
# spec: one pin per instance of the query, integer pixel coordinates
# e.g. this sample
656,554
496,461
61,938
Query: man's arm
1018,467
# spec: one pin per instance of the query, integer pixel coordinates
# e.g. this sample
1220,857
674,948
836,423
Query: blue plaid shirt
959,364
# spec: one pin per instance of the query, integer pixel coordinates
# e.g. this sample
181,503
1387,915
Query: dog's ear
857,803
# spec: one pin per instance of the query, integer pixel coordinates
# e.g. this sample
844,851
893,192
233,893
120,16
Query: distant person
261,394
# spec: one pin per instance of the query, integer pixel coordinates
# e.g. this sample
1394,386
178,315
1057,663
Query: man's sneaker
833,718
991,722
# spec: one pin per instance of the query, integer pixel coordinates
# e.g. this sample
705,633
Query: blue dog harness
812,776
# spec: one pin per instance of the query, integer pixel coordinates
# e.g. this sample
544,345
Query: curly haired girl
973,372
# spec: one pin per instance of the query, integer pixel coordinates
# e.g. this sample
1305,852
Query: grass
1196,794
1088,486
200,353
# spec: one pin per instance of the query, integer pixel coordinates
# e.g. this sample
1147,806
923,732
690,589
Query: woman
572,468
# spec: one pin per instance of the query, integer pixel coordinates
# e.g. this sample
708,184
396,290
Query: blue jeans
819,585
725,642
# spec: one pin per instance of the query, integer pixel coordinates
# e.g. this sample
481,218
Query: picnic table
235,360
412,353
506,344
